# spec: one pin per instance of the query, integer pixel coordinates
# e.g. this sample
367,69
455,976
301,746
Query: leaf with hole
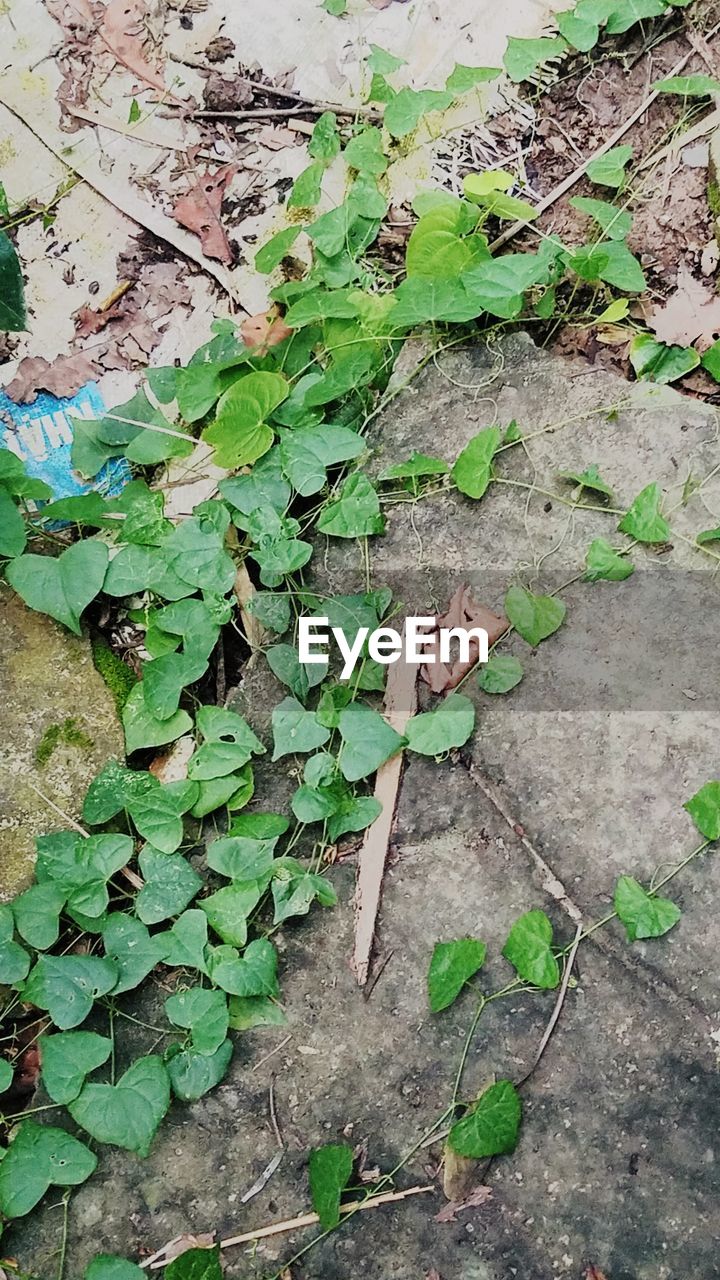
533,617
67,986
40,1156
453,964
643,914
128,1113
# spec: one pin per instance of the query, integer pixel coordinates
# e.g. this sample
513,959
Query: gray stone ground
593,754
58,728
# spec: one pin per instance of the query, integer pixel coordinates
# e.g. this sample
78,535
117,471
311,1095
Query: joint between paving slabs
661,985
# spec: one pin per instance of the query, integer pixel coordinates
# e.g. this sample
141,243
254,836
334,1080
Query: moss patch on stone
68,734
117,676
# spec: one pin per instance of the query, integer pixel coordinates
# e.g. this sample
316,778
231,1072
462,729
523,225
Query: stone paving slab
58,728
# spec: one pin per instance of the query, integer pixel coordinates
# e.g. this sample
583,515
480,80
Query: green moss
117,676
68,734
713,195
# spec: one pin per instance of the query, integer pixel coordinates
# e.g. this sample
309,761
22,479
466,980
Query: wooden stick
557,1008
309,1219
400,702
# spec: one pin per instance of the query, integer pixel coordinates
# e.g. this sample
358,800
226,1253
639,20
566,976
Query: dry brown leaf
123,32
692,313
182,1243
64,377
462,611
89,322
275,137
266,329
74,16
433,1274
475,1200
244,593
459,1175
594,1273
199,211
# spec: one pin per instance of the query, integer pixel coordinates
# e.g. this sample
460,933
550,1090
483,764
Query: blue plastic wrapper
41,434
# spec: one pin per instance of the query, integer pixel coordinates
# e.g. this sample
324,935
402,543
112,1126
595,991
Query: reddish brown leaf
476,1199
594,1273
199,211
266,329
89,322
63,377
123,32
463,611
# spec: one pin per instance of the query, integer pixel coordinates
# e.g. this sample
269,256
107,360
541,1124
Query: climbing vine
287,419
